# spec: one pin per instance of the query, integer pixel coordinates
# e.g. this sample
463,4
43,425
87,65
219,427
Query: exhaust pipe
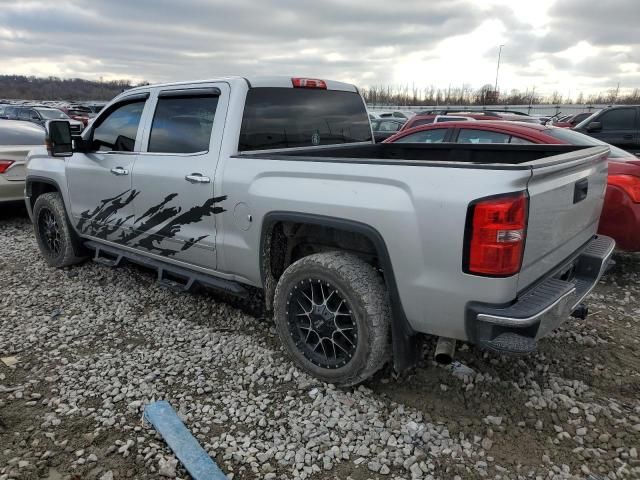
445,349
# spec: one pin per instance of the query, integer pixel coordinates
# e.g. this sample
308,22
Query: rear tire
333,316
58,242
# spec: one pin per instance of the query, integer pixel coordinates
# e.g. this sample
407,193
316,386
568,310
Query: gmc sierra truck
360,248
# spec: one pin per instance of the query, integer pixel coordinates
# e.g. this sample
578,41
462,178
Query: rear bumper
11,190
515,328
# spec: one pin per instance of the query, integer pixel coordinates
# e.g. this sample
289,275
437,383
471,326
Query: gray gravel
96,344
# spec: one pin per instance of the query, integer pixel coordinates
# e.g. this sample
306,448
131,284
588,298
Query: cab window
117,131
618,119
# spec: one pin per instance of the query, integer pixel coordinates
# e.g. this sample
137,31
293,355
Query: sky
568,46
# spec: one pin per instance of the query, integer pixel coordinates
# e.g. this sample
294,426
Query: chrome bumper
515,328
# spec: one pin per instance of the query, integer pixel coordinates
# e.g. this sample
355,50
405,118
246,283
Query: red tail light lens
308,83
629,183
496,230
5,164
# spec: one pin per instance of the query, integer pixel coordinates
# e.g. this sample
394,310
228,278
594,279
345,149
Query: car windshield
51,113
584,122
577,138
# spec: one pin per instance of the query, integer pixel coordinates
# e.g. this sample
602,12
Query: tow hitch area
581,312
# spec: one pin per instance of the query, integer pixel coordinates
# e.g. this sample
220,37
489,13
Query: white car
17,138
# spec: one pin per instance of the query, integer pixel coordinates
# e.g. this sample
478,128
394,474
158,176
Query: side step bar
170,276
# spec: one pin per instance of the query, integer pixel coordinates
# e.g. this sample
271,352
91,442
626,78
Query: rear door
175,211
618,127
566,194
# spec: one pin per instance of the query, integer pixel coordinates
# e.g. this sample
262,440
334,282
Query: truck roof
279,81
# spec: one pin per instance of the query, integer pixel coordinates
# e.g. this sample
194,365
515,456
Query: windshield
577,138
51,114
584,122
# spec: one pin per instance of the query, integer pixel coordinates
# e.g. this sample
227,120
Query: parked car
620,217
428,117
78,112
16,139
383,128
95,107
570,121
40,115
396,114
3,106
619,126
360,248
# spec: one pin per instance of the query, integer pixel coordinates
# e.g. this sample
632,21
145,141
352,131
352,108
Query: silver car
16,140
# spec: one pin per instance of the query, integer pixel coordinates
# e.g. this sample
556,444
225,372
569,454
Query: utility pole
495,89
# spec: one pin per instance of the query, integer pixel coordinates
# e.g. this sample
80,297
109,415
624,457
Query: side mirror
594,126
58,139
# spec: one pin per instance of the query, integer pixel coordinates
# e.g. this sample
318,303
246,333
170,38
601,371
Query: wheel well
288,241
37,188
289,236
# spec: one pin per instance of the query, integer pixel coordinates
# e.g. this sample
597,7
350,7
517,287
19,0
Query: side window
182,124
618,119
23,114
520,141
375,125
426,136
468,135
117,131
388,126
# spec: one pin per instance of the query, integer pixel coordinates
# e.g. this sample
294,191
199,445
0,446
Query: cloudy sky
553,45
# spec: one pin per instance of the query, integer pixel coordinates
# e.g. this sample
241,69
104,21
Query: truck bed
489,156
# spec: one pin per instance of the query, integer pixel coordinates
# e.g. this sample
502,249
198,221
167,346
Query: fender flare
405,342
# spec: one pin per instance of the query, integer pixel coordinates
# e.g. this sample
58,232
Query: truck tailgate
566,193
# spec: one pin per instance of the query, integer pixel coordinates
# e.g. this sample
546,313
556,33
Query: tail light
5,164
628,183
495,235
308,83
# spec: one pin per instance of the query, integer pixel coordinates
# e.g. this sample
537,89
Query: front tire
333,316
58,242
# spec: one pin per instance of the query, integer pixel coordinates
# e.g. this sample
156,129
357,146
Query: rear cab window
277,117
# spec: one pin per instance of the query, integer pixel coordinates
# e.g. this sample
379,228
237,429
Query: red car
426,118
572,120
78,112
620,217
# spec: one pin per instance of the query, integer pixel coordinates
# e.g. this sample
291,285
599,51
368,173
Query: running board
170,276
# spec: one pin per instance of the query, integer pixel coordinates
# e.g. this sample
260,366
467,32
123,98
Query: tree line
466,95
73,89
54,88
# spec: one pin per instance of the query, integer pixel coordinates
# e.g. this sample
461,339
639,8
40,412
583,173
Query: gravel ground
94,345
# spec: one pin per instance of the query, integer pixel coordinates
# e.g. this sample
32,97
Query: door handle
197,178
119,171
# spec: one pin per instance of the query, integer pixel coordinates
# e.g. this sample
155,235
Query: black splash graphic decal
89,215
153,210
171,229
100,221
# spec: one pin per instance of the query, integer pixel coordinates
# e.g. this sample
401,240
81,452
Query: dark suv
619,126
40,115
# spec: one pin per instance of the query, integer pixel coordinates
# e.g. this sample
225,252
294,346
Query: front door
618,127
99,181
176,207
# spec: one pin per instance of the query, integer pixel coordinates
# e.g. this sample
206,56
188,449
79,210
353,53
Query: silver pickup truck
360,248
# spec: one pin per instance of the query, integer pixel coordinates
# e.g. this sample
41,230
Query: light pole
495,89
